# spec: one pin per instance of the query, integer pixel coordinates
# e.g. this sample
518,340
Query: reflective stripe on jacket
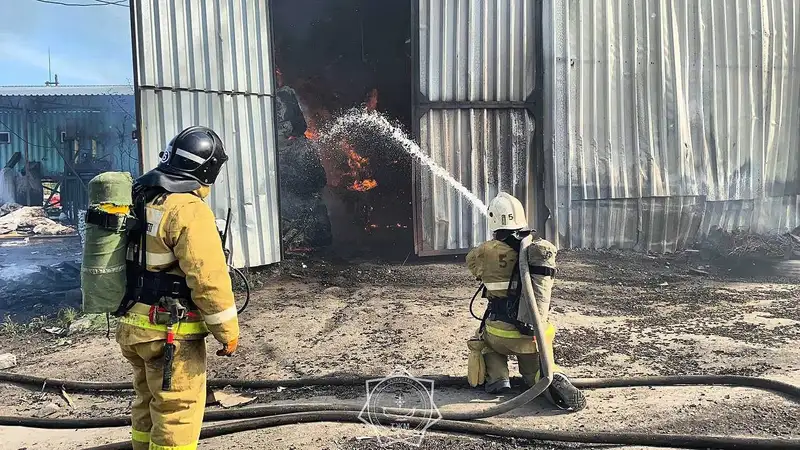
182,239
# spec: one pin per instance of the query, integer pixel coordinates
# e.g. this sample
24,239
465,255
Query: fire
372,100
358,165
356,175
363,185
311,133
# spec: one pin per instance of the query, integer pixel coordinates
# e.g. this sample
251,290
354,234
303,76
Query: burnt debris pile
304,216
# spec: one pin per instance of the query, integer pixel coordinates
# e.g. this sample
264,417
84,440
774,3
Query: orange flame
364,185
357,168
357,164
311,129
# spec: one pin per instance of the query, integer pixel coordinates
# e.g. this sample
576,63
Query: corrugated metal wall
476,71
666,117
209,63
109,121
488,151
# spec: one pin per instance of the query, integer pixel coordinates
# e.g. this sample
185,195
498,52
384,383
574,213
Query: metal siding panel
668,223
670,99
220,46
486,150
12,122
473,50
248,183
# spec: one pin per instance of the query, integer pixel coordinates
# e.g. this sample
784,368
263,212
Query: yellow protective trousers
167,420
502,340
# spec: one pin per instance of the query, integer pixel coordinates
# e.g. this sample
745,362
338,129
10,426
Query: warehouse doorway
331,56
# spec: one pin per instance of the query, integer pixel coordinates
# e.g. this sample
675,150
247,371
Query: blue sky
88,45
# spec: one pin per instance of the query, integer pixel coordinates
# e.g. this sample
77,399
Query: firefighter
502,333
185,280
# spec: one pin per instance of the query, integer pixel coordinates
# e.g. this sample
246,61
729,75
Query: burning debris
305,221
359,170
343,164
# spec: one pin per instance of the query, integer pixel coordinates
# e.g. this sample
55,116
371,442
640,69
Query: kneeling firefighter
505,329
177,291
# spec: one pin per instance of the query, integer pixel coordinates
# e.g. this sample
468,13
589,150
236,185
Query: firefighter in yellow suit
184,258
502,334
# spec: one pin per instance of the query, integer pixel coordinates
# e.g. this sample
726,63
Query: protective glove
476,365
229,348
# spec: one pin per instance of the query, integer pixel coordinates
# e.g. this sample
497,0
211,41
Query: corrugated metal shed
209,63
43,91
477,71
109,120
666,117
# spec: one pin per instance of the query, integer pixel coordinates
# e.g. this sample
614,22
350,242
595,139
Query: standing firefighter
504,330
184,293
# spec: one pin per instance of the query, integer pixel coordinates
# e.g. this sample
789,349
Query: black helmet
196,153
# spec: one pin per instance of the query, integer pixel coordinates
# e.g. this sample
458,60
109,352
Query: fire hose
277,415
458,422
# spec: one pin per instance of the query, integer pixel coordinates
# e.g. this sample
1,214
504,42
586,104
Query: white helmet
506,213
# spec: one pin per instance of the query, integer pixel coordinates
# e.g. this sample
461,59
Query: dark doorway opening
331,56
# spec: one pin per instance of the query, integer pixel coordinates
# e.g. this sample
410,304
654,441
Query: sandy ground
618,314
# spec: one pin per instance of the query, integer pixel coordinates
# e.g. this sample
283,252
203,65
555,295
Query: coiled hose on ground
276,415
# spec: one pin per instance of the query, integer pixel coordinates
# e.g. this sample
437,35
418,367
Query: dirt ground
618,314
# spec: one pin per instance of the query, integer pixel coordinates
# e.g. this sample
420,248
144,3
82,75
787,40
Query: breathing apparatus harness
168,295
506,309
144,286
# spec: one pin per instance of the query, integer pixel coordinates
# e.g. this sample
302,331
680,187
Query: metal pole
27,160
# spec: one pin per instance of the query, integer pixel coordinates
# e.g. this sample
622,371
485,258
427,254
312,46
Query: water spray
360,121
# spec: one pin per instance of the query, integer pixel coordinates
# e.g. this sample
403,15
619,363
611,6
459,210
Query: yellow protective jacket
182,239
493,263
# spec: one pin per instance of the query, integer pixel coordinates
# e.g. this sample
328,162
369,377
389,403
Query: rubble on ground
31,220
739,243
7,361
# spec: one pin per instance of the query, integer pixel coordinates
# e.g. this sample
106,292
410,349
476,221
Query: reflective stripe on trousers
174,447
140,440
549,332
140,436
182,328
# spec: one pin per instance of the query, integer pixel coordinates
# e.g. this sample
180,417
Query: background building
65,135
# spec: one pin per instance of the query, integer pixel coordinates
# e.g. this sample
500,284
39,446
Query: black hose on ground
789,391
765,384
482,429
